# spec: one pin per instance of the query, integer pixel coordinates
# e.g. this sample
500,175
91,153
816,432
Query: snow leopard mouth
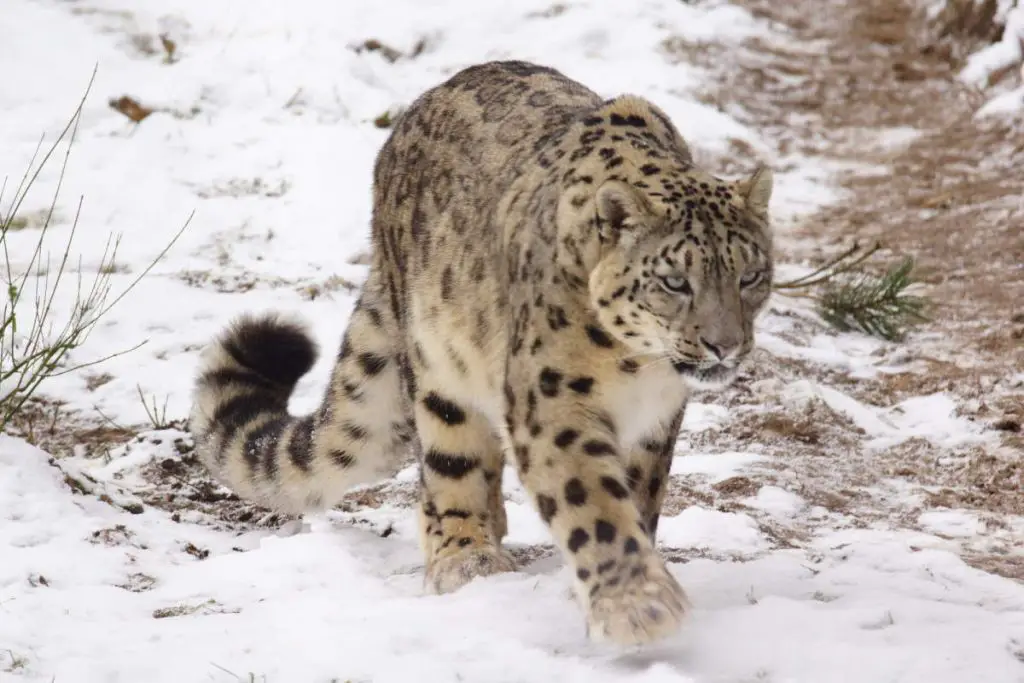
705,375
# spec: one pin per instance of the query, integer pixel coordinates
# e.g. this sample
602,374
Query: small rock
196,552
1007,424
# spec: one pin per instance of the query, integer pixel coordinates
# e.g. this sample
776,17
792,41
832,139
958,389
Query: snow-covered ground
1005,55
265,128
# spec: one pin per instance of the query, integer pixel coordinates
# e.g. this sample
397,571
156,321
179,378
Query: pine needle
875,305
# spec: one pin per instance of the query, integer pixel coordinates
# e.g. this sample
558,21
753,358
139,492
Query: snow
715,467
776,501
264,127
998,57
341,603
701,416
1009,102
956,523
696,527
932,417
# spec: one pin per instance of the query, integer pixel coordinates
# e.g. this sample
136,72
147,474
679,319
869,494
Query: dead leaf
130,108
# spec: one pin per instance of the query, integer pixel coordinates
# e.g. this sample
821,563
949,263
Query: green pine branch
879,306
853,300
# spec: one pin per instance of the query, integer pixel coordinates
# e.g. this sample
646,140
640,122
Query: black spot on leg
372,364
446,284
547,506
483,328
374,316
566,438
402,432
456,358
351,391
531,406
557,318
614,487
575,493
446,411
550,380
599,337
577,539
354,431
598,448
631,546
408,378
582,385
450,465
510,397
522,453
604,531
341,458
582,574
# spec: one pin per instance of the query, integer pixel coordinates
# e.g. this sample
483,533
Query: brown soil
953,198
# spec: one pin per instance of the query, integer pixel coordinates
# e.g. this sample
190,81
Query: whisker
655,362
640,354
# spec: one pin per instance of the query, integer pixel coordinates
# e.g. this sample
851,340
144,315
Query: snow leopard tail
250,442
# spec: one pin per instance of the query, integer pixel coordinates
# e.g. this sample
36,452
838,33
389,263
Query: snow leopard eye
751,279
676,285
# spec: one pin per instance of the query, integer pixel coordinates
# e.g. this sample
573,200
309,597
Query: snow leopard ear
622,210
756,191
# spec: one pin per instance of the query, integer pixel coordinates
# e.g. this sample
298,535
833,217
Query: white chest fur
645,401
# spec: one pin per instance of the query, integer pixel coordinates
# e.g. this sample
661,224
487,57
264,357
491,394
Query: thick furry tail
240,416
248,440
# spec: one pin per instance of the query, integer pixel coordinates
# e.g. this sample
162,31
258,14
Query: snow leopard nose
721,348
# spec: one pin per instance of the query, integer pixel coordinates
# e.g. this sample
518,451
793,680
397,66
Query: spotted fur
551,276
